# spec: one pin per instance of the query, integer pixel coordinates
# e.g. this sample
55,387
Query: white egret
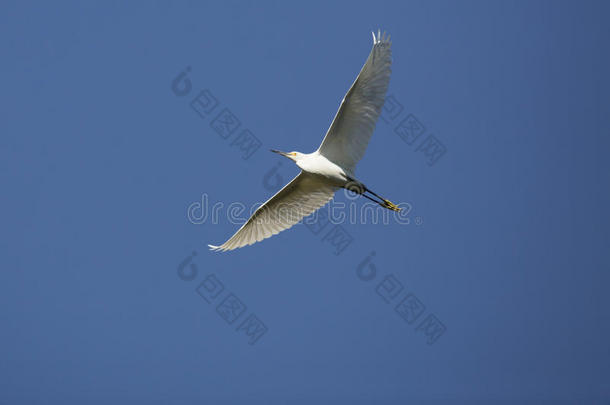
331,166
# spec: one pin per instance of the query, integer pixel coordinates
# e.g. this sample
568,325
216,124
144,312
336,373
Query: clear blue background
99,161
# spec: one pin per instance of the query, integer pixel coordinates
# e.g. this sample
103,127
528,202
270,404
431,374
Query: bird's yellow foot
391,205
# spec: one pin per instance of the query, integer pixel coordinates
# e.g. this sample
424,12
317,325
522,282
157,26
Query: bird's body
316,164
332,165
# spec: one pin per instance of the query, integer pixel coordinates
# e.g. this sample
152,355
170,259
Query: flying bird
332,166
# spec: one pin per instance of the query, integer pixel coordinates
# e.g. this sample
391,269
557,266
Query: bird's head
290,155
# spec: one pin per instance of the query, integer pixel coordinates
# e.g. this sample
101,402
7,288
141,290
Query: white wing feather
350,132
305,194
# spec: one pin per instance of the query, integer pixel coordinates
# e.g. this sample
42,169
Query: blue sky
504,260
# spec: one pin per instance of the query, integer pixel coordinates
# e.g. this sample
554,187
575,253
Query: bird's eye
294,154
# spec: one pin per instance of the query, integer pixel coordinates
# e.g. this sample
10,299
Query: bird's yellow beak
280,152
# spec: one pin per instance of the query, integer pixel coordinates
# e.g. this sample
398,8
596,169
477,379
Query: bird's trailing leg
357,187
386,203
382,203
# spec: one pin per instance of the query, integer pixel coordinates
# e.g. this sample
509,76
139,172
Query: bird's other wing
302,196
350,132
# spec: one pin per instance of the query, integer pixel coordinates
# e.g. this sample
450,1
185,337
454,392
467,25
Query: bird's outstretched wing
350,132
302,196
